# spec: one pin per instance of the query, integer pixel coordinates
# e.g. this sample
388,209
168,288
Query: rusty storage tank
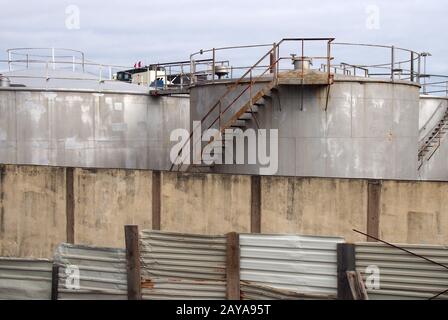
356,125
54,115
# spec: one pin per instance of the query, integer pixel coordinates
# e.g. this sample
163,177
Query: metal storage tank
357,127
60,117
433,146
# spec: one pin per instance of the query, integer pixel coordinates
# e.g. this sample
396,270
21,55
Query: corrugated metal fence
25,278
87,272
402,275
182,266
299,264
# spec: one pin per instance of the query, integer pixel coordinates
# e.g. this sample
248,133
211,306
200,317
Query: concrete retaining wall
43,206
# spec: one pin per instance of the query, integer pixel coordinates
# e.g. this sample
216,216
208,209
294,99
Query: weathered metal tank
354,126
65,118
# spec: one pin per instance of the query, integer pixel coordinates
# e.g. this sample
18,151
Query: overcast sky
123,32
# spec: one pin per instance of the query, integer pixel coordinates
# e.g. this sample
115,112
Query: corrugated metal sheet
182,266
186,256
102,272
184,289
303,264
251,291
402,275
25,278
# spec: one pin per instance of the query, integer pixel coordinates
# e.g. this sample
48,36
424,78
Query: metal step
239,124
254,109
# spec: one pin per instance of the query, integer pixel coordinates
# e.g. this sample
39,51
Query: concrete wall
108,199
313,206
205,203
32,210
43,206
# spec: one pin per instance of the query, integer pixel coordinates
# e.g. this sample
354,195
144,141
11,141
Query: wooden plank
133,262
346,262
357,286
255,204
156,199
54,282
373,208
70,205
233,266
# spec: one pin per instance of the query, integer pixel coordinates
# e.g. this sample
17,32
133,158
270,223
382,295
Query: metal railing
52,59
434,85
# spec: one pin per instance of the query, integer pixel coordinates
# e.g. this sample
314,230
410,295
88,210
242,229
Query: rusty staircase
431,142
249,109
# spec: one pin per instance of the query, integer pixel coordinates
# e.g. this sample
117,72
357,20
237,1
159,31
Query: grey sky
123,32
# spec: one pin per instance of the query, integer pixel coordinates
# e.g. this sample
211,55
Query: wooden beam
133,262
233,266
357,287
70,205
54,282
345,262
156,199
255,204
373,208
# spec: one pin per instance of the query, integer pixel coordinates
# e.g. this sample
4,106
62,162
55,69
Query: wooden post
54,282
156,199
346,262
357,287
133,262
233,266
69,205
373,208
255,204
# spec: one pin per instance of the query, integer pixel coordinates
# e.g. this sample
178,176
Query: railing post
329,59
392,62
419,67
9,61
83,66
181,77
213,66
345,262
133,262
412,66
73,63
53,58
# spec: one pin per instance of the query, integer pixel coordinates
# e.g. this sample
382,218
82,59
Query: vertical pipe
27,60
419,67
82,57
412,66
329,59
133,262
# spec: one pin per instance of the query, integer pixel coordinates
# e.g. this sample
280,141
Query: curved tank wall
434,165
369,130
87,128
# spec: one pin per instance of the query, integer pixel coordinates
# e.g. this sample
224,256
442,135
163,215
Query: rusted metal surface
252,291
302,264
403,275
182,266
91,273
25,278
183,289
